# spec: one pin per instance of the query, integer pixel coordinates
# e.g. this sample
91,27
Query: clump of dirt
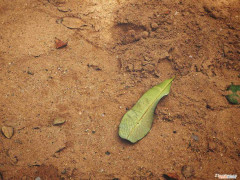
125,33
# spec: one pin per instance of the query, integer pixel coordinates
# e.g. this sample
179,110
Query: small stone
58,121
107,153
167,12
7,131
187,171
144,34
59,21
93,132
30,73
154,25
195,137
60,44
38,178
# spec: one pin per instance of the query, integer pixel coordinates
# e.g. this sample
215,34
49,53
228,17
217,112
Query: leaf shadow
123,141
126,142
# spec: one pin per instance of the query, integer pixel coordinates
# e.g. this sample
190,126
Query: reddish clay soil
116,51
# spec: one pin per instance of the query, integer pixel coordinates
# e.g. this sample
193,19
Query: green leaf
137,122
232,98
233,88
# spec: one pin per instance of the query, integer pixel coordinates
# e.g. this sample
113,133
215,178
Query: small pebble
8,131
58,121
144,34
107,153
167,12
38,178
60,44
195,137
154,25
58,21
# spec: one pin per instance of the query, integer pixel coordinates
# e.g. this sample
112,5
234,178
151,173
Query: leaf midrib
147,109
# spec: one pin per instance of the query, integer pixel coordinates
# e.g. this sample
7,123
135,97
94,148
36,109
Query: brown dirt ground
124,48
